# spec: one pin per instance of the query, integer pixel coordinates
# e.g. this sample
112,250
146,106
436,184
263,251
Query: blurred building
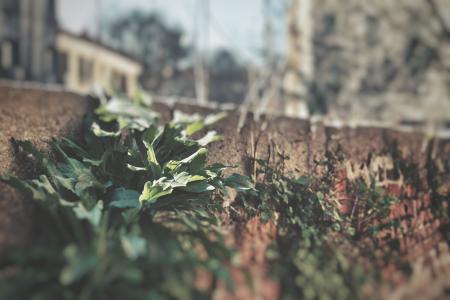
32,48
27,38
86,63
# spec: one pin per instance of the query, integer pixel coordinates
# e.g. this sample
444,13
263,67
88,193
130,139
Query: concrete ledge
35,115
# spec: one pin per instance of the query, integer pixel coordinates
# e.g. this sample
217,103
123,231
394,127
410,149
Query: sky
235,24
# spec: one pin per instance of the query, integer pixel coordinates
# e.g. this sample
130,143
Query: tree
148,38
228,77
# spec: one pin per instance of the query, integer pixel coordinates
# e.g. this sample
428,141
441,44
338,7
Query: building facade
84,63
27,37
33,48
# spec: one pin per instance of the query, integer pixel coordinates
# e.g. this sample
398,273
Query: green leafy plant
371,205
128,212
308,254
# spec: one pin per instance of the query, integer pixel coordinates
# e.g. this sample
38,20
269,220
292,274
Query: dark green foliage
307,256
128,213
150,39
228,77
371,204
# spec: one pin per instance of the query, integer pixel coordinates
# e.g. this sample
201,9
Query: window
7,55
85,70
119,82
10,7
62,66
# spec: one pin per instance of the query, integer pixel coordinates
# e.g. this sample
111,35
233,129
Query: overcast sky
235,24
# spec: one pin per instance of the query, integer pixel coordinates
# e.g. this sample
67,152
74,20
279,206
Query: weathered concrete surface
34,115
404,163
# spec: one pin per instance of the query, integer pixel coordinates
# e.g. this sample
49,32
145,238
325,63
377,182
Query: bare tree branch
435,10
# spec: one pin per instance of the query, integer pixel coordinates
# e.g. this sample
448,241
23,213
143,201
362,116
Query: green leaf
196,122
118,107
239,182
143,98
66,143
209,138
125,198
196,161
303,180
78,265
85,180
39,190
93,215
155,190
194,127
64,182
180,117
133,245
127,114
214,118
183,178
103,133
153,162
199,187
136,169
130,215
320,196
149,135
218,168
